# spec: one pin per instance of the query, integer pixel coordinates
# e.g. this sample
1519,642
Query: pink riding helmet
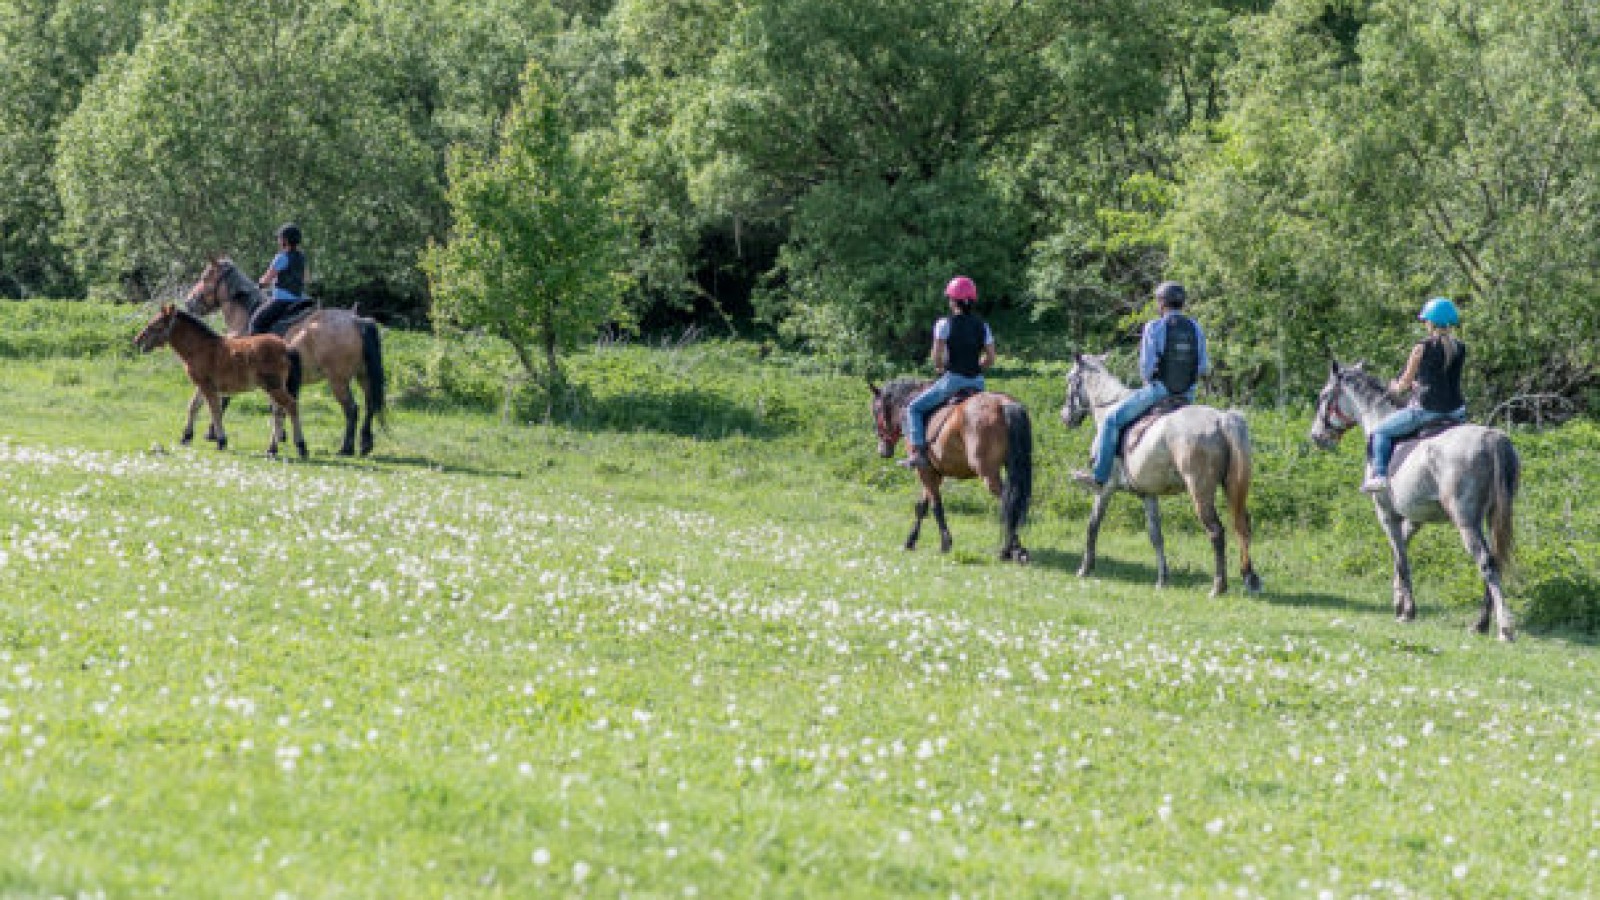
961,288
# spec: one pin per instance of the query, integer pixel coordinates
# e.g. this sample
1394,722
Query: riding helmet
961,289
1441,312
290,232
1172,294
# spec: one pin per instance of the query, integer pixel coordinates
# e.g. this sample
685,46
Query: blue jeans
918,410
1399,424
1127,409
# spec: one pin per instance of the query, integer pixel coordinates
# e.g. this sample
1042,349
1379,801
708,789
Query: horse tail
372,359
295,374
1503,501
1236,479
1018,490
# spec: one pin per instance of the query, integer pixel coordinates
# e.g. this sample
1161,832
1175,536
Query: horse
1467,475
970,439
336,344
221,366
1195,449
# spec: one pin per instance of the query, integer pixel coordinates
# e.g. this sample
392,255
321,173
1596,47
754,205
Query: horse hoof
910,545
301,446
1507,636
1021,557
188,437
1252,583
346,451
1085,572
944,546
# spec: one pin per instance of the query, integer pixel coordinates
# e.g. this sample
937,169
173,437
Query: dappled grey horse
1464,476
1195,449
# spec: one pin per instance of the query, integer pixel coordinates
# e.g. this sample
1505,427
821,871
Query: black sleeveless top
1439,375
1179,366
964,347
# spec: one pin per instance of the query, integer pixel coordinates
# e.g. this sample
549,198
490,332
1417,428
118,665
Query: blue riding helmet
1441,312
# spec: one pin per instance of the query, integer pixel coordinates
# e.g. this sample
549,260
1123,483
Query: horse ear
1333,367
874,388
1360,365
1077,357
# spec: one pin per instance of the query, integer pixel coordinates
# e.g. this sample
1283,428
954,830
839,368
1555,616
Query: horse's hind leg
366,420
1152,521
1494,598
215,405
916,523
1205,506
188,424
1400,532
347,402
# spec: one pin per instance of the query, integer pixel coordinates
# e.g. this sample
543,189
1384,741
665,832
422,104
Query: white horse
1195,449
1463,476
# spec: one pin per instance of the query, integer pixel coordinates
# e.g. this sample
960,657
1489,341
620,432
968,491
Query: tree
230,117
535,246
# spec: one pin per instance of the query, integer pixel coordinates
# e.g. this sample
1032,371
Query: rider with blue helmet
1433,375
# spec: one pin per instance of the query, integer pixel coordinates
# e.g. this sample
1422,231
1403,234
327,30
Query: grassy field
668,645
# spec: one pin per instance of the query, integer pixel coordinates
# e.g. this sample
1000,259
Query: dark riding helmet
1171,294
290,233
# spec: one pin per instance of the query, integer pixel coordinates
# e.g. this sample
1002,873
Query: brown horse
337,345
221,366
973,439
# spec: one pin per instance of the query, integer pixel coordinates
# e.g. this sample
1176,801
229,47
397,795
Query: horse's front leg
916,523
1493,597
1152,521
1101,501
347,403
215,405
188,424
1400,531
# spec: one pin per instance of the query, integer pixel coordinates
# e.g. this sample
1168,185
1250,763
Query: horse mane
238,283
1370,389
197,322
898,393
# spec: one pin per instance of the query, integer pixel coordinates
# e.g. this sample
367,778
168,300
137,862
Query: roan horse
1463,476
972,439
1195,449
335,344
220,366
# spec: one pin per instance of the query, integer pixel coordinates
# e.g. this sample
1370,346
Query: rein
1332,408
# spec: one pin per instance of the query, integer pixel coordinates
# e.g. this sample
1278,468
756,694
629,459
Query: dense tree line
1314,168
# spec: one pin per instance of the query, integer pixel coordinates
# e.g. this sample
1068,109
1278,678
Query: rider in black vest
1172,357
286,278
963,346
1434,371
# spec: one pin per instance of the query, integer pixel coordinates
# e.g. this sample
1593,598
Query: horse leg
215,405
283,403
991,480
1494,597
211,430
188,424
366,420
916,523
1400,532
1205,506
944,529
347,402
1101,501
1152,521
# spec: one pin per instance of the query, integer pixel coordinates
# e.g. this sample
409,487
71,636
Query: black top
1439,375
964,347
1179,366
292,277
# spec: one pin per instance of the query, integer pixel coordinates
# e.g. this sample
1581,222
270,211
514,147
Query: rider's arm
1408,378
1151,343
939,355
270,277
986,359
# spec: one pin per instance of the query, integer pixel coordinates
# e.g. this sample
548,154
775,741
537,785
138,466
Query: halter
1076,388
1331,408
888,432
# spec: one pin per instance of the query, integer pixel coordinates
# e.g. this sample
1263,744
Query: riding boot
917,460
1374,483
1086,479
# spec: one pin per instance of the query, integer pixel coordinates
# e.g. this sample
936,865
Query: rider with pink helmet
963,346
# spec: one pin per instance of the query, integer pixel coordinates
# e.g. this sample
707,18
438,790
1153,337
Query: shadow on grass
356,463
683,410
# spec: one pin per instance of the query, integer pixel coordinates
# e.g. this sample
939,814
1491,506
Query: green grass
668,644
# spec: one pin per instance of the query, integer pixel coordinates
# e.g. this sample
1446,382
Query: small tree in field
535,249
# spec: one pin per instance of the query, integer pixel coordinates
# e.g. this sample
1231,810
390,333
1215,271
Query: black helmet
1172,294
290,232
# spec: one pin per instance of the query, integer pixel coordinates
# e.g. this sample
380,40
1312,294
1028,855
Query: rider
963,346
1172,357
1434,374
286,277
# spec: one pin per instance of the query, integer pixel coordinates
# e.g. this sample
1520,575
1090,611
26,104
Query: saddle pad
1131,435
1404,446
288,320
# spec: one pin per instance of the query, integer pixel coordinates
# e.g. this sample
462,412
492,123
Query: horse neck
237,314
1104,390
1370,410
189,340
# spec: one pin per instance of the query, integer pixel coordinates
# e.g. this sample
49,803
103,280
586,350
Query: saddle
1129,439
291,317
941,413
1404,446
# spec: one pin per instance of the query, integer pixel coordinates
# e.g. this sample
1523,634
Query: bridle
210,299
1331,409
1079,403
888,431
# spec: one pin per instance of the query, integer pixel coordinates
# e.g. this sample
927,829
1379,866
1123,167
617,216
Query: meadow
666,645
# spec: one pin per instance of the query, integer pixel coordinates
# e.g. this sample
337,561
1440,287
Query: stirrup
917,460
1087,480
1375,484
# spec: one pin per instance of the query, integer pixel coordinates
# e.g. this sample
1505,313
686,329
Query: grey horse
1464,476
1195,449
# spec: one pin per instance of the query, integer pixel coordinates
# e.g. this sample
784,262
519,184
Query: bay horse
221,366
336,345
1464,476
970,439
1194,449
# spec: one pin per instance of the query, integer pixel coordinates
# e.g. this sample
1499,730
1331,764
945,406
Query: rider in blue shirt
1172,357
286,277
963,346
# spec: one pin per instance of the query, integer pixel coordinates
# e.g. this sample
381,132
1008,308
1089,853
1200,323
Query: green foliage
229,118
534,253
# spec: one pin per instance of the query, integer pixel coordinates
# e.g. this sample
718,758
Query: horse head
1337,409
1080,403
158,330
220,282
886,420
